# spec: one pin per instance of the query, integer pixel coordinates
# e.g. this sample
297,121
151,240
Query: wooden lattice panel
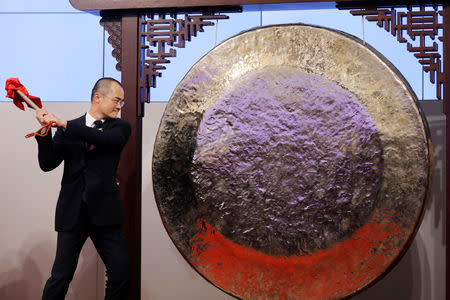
159,36
417,25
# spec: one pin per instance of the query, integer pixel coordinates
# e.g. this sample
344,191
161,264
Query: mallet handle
24,97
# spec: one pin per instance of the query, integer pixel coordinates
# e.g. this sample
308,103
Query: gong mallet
27,100
16,91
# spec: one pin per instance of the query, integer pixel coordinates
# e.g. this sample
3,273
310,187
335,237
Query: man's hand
45,118
40,114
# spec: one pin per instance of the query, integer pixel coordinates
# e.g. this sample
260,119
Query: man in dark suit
89,203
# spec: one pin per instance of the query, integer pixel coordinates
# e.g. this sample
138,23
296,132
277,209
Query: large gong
292,162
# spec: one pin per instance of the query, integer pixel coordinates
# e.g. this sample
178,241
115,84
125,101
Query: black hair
103,85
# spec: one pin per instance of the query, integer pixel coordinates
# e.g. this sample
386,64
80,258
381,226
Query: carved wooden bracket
418,23
113,25
159,30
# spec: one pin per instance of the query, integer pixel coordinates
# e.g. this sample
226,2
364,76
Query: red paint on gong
326,274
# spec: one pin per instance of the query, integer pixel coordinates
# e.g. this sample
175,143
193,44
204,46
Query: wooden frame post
130,167
446,108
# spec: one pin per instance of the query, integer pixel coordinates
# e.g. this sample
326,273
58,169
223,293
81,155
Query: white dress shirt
90,120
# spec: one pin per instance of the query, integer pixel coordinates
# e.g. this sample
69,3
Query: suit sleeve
50,151
116,136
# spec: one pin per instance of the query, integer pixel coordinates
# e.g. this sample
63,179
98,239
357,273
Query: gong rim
423,122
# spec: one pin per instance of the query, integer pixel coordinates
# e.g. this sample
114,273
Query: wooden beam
446,108
130,167
138,4
384,3
149,4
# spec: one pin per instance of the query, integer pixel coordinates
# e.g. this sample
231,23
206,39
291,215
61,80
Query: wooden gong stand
123,21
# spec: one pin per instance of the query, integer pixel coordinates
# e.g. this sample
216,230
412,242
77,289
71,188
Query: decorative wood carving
113,25
418,23
156,32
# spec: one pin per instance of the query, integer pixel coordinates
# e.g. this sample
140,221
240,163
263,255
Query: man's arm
50,153
116,136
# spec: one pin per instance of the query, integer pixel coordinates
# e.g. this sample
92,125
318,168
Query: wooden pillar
130,168
446,108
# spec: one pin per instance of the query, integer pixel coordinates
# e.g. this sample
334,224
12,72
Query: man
89,203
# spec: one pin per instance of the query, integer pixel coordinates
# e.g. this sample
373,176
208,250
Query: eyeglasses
116,101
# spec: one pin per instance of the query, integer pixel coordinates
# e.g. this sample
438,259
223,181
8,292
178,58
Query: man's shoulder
81,119
124,126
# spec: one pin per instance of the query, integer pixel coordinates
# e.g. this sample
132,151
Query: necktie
98,124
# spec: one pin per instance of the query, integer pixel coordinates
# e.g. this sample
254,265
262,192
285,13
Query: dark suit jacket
88,172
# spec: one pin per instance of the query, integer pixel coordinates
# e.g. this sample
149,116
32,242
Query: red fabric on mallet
12,85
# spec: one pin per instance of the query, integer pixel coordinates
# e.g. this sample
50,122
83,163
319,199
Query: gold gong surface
292,162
